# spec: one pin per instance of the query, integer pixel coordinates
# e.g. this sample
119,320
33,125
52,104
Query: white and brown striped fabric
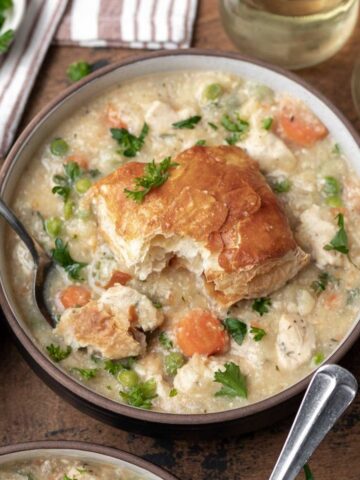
21,64
149,24
128,23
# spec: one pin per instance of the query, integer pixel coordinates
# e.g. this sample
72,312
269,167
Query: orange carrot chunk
113,118
75,296
297,124
201,332
118,277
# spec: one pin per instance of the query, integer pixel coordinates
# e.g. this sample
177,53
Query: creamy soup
63,469
265,344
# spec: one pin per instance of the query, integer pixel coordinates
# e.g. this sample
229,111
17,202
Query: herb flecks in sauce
129,143
57,354
189,123
62,257
339,242
236,328
261,305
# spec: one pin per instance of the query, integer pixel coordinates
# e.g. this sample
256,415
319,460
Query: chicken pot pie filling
59,468
203,230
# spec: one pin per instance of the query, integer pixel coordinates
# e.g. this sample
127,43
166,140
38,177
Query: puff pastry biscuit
215,213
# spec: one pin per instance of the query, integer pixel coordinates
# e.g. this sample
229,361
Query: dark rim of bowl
110,452
91,396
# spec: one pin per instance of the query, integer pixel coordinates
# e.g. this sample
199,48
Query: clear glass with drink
290,33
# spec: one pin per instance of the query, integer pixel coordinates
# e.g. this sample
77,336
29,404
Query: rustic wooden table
30,411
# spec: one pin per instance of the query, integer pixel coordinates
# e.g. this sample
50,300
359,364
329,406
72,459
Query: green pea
334,201
128,378
59,147
212,91
53,226
68,209
173,362
83,185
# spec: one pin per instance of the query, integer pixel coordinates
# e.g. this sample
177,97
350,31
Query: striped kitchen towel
21,64
128,23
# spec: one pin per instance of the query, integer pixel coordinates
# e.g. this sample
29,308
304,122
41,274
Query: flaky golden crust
218,198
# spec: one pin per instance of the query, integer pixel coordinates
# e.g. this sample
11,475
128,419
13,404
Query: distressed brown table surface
30,411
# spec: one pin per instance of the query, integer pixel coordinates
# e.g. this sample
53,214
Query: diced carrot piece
297,124
118,277
133,316
74,296
332,300
113,118
79,159
201,332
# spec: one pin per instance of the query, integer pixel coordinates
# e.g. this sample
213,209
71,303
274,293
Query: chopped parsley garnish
332,192
78,70
62,257
64,183
141,395
115,367
165,341
267,123
232,380
340,241
261,305
213,126
336,149
233,138
307,472
86,373
237,125
157,305
236,328
200,143
281,186
56,353
155,175
173,392
258,333
59,147
318,358
6,39
94,172
321,283
129,143
189,123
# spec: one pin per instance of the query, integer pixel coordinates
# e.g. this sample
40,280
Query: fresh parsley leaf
331,186
261,305
86,373
115,367
200,143
258,333
78,70
321,283
233,381
155,175
233,138
129,143
340,241
213,126
6,39
165,341
5,5
62,257
157,305
189,123
281,186
141,395
56,353
318,358
173,392
62,191
236,328
336,149
267,123
94,172
72,171
237,125
307,472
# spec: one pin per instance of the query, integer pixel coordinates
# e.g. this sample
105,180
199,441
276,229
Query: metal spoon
42,261
330,392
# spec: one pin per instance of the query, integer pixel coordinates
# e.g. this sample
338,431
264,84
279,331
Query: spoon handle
19,228
330,392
